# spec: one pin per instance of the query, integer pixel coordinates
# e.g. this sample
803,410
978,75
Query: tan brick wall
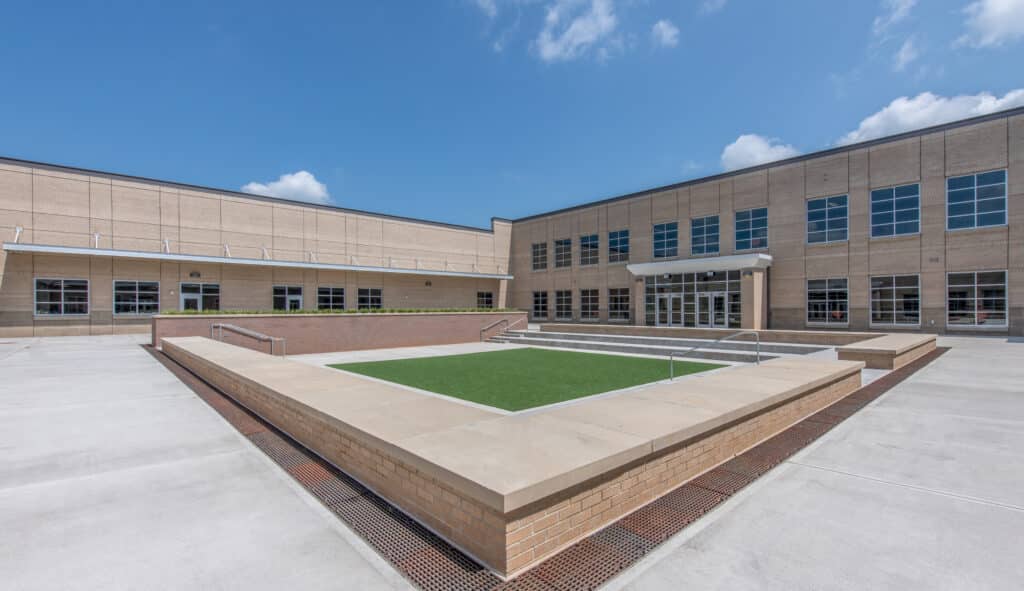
534,537
319,333
510,543
887,360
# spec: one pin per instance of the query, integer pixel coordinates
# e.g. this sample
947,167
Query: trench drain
432,564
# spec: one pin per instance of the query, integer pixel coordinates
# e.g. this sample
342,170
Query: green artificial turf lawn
523,378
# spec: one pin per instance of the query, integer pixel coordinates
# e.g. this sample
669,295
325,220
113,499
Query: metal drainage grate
432,564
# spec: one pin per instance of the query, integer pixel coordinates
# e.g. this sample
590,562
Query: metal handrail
672,355
496,323
218,329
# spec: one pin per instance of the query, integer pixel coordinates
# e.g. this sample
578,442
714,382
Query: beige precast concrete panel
703,202
976,148
896,162
750,190
665,205
15,197
60,195
829,175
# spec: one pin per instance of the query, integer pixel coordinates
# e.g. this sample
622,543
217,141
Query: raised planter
324,333
513,490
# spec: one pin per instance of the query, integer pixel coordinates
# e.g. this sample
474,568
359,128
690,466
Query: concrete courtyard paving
923,489
114,475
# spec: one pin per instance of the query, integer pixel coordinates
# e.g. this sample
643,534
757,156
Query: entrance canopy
734,262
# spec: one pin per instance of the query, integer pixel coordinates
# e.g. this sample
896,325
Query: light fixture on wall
194,275
428,284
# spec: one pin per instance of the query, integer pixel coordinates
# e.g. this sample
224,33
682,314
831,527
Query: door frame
710,297
667,297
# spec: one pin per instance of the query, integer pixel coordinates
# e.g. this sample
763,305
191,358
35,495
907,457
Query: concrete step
674,343
541,340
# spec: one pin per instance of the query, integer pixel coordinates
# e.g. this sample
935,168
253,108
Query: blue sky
459,110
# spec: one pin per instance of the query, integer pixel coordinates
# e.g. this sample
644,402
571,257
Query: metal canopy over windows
590,300
896,300
371,298
976,299
618,246
330,298
752,228
200,296
540,305
136,297
896,211
828,301
563,253
287,297
563,304
976,200
827,219
666,240
589,250
484,299
62,297
539,255
618,303
704,235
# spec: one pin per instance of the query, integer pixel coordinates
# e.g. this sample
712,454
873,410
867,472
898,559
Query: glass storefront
710,299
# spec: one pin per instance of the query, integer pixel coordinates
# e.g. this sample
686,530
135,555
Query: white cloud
710,6
562,39
752,149
665,33
488,7
907,53
991,23
927,109
300,186
894,11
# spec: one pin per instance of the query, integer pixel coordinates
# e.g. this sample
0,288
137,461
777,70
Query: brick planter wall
509,542
325,333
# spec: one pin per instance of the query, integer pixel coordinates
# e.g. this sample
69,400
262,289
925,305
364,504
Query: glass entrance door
669,309
711,308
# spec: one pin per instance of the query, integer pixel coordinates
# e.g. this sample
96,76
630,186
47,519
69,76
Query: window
827,301
704,235
666,240
896,300
590,300
896,211
370,298
589,250
287,297
62,297
752,228
826,219
563,253
563,305
330,298
540,305
484,299
136,297
618,303
976,200
976,299
539,253
200,296
618,246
